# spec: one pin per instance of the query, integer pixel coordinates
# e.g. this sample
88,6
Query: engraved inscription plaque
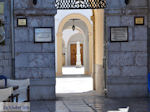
1,7
43,34
139,21
119,34
22,22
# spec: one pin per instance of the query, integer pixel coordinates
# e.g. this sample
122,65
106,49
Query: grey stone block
21,34
34,12
48,21
42,60
21,5
43,82
4,62
121,59
134,71
34,73
127,90
21,60
137,3
140,33
113,21
114,71
43,21
7,71
114,59
114,46
1,69
117,4
141,59
31,34
34,22
7,42
134,46
119,80
42,92
110,11
130,33
127,20
48,47
47,4
35,60
5,56
5,48
2,56
127,59
137,11
27,47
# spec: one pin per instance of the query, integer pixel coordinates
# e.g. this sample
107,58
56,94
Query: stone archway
59,40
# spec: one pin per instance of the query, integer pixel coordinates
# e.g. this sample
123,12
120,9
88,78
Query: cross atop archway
80,4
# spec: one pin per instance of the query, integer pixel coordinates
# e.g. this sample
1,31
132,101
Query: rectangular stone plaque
43,35
139,20
119,34
1,7
21,22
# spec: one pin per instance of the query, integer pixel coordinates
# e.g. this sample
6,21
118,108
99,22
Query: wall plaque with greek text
119,34
43,35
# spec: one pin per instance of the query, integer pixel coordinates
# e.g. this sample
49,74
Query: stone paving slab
90,102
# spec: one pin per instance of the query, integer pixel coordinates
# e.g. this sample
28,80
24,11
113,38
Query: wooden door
73,54
81,51
73,51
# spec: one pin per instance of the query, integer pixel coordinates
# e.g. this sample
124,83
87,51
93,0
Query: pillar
59,54
99,51
78,56
90,52
86,56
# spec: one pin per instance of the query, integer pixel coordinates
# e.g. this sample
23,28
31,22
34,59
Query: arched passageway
96,46
64,24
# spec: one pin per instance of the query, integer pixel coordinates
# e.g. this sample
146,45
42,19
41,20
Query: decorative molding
80,4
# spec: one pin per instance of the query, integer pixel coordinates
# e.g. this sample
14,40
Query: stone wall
148,38
5,49
127,61
35,60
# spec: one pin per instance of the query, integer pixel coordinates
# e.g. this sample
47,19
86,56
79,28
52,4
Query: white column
59,54
78,56
99,51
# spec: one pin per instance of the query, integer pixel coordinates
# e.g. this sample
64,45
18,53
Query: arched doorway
88,68
96,40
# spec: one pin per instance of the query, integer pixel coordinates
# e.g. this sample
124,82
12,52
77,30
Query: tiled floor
82,99
86,101
90,102
72,70
74,84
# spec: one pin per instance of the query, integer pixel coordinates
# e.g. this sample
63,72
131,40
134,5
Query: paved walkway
90,102
86,100
72,70
74,84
